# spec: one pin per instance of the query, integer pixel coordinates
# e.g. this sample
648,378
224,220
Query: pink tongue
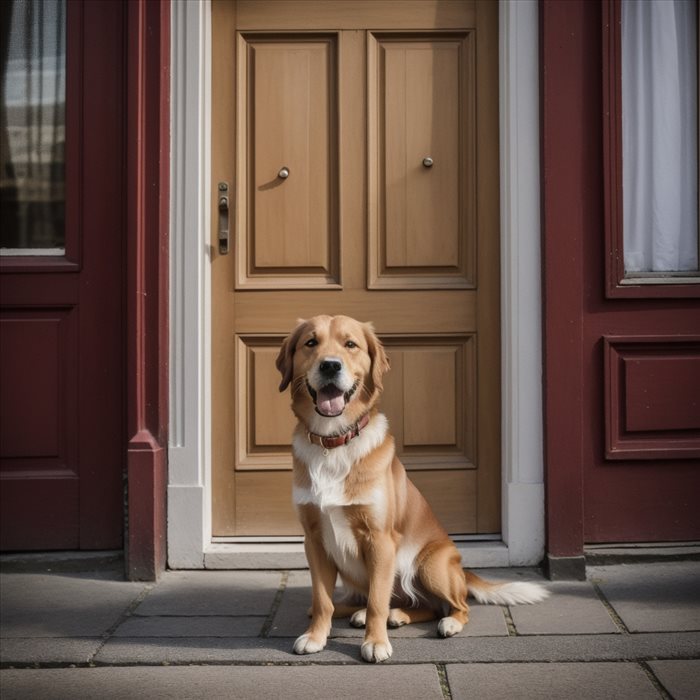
330,401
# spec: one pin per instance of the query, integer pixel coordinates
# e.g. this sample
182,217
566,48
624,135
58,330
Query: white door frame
190,544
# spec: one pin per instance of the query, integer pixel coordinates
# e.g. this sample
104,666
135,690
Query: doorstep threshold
289,554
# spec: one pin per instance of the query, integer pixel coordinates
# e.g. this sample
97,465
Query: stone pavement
629,631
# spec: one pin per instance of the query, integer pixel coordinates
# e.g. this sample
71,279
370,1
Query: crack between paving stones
510,623
269,620
649,672
444,683
641,661
120,620
617,620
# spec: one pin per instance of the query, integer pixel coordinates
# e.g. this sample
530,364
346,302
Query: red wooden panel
29,401
39,483
38,399
652,387
54,511
662,393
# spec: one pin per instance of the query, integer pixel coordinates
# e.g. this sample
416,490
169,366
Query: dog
362,517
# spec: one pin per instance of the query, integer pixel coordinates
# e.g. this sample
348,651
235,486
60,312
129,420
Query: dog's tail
510,593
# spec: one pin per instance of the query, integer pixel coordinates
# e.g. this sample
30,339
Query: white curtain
660,135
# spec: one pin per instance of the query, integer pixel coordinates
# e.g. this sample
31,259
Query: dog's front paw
306,644
449,626
374,652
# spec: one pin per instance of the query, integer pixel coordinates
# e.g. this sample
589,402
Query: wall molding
521,318
189,485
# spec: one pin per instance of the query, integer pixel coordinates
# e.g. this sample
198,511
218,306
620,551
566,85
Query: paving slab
240,682
212,593
609,647
573,608
595,647
228,650
48,650
654,597
292,618
680,678
550,681
63,605
190,626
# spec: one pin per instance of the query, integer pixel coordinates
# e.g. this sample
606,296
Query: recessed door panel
421,160
288,178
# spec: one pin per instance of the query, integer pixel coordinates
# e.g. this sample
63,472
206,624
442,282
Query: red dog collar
331,441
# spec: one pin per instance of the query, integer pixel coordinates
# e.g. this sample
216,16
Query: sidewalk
629,631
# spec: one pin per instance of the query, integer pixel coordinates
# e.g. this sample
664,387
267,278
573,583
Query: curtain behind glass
32,124
659,135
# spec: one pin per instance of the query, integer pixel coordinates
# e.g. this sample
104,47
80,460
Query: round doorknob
428,162
283,173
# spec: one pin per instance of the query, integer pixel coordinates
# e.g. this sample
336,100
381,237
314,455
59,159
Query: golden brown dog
362,516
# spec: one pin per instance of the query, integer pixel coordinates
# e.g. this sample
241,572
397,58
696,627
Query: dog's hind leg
441,573
344,610
398,617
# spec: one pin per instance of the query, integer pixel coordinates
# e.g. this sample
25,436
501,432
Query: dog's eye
311,343
350,344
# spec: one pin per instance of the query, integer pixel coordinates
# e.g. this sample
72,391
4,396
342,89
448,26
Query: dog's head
335,366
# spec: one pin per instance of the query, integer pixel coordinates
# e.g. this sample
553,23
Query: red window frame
617,285
70,261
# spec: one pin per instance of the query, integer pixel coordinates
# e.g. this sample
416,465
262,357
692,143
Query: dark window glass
32,126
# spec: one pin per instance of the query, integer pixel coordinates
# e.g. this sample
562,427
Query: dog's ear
285,359
380,362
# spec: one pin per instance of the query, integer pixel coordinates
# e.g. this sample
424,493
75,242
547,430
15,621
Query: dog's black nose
330,367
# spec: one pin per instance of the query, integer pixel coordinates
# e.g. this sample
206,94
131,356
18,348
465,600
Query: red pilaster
565,160
147,89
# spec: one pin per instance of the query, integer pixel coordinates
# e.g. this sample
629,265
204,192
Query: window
651,129
32,127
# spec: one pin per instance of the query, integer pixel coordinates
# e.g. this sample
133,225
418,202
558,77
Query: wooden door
61,367
359,145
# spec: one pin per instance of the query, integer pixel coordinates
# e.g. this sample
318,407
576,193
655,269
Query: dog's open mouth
330,400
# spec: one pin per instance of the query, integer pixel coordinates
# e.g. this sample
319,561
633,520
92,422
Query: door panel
288,177
421,102
39,407
360,226
652,397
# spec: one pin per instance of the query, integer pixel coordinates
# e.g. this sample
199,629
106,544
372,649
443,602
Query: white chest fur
341,545
328,469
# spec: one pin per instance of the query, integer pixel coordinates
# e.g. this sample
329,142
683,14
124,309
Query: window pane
32,125
660,135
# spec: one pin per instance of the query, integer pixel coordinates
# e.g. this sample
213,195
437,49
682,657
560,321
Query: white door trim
190,543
